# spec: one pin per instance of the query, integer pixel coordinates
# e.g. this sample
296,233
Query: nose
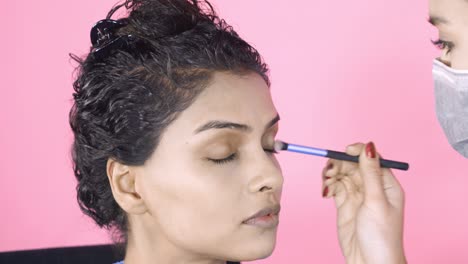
266,176
445,59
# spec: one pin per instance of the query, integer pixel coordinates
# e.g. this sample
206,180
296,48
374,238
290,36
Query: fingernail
327,177
325,192
330,166
370,150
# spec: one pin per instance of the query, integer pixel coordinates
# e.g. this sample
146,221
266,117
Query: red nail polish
370,150
330,166
325,192
327,177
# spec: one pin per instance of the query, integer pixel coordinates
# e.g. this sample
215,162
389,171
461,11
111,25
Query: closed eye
273,151
224,160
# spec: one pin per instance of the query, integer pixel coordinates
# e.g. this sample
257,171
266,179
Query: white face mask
451,93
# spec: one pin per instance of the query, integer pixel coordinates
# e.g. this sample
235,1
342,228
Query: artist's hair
123,101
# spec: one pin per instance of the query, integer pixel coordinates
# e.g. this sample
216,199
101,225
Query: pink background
342,72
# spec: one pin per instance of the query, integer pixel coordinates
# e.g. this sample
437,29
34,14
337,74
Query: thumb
369,167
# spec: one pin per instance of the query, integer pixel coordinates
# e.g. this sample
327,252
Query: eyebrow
437,20
218,124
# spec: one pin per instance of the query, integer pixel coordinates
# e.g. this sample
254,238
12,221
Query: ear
122,180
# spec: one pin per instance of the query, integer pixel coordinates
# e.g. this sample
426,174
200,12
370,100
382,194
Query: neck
145,247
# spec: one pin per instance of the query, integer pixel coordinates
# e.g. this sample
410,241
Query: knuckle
354,149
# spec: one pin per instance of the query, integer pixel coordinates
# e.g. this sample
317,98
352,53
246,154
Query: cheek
280,172
192,204
460,57
277,164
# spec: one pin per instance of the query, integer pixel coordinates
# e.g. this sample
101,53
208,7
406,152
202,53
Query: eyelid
272,150
273,129
234,156
224,160
443,44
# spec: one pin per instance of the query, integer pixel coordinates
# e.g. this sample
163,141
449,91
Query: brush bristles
280,145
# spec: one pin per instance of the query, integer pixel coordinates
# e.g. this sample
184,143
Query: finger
355,149
335,185
350,187
393,190
338,169
333,188
346,167
332,169
328,178
341,190
371,173
328,188
338,190
328,166
392,187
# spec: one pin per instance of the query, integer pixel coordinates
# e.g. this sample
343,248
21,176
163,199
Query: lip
267,217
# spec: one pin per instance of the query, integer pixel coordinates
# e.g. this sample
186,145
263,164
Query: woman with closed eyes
174,130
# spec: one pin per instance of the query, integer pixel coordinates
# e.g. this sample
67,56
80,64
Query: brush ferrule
307,150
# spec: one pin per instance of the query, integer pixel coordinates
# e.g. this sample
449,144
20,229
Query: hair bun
154,19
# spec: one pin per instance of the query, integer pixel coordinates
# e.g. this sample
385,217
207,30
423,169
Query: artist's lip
267,217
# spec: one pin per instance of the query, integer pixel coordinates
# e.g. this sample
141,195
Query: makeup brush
280,145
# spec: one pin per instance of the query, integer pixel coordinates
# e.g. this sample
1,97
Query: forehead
231,97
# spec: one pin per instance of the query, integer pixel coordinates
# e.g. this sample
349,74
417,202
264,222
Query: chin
256,247
264,252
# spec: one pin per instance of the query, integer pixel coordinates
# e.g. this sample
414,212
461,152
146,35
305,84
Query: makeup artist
368,197
450,70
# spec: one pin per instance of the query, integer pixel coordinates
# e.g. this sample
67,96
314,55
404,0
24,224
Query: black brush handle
391,164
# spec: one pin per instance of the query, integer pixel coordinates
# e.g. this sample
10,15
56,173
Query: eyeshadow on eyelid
219,148
224,143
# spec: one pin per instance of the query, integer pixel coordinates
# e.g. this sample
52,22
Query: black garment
103,254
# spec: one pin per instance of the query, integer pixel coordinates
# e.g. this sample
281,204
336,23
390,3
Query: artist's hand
370,205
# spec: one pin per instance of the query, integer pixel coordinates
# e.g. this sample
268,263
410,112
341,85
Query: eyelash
233,156
225,160
442,44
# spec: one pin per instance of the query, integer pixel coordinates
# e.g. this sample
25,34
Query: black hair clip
104,39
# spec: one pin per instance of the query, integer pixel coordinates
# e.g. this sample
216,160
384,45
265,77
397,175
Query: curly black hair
124,100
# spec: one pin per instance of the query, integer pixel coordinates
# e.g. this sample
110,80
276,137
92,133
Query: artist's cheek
460,58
